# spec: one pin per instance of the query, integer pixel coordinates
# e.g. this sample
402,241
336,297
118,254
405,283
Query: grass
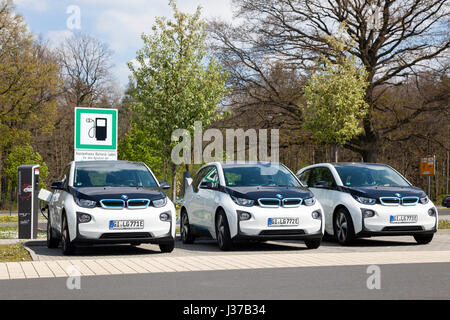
444,224
12,233
8,219
14,253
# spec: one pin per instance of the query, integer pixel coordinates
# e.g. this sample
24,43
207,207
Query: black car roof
104,162
357,164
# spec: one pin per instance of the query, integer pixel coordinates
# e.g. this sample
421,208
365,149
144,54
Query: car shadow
97,251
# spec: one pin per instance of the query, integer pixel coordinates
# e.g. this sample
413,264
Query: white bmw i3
105,202
249,200
364,200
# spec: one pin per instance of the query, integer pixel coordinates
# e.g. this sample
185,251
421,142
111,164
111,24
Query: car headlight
160,202
309,201
85,203
364,200
83,217
242,201
424,200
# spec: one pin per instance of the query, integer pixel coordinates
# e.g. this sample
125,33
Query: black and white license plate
411,218
126,224
272,222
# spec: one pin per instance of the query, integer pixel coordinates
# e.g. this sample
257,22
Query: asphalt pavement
404,281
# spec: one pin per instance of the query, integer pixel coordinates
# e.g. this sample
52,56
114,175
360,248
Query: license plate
404,219
283,222
126,224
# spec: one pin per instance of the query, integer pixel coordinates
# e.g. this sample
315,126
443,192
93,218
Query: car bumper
97,231
380,224
257,227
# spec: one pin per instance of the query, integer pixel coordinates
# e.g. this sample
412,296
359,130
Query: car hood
99,193
380,191
255,193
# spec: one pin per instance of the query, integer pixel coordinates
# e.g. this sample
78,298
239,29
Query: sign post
95,134
427,168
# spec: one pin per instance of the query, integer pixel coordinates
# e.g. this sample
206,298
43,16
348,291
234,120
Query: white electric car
363,200
105,202
251,200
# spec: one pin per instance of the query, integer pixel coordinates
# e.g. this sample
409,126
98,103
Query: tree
176,82
395,40
335,98
22,155
85,65
28,83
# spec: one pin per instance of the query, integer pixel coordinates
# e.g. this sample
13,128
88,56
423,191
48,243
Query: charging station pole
27,201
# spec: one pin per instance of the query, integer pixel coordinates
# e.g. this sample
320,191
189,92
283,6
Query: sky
119,23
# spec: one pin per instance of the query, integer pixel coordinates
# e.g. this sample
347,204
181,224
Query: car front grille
403,228
126,235
274,202
112,203
138,203
281,232
395,201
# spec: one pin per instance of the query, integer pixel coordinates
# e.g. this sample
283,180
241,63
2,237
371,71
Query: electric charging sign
95,134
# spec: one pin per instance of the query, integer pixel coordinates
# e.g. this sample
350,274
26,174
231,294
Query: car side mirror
164,185
321,184
57,185
206,185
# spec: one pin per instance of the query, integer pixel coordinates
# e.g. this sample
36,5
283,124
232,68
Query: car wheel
423,239
67,246
343,227
52,240
186,232
312,244
167,247
223,232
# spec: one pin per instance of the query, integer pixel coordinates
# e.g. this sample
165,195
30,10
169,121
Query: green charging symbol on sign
95,134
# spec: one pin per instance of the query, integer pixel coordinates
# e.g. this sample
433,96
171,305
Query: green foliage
21,155
28,80
335,97
137,146
14,252
176,82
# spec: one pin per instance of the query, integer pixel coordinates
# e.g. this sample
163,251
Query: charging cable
91,132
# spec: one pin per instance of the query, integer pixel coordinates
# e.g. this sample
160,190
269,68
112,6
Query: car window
211,176
198,178
65,176
369,175
321,175
120,174
251,175
304,177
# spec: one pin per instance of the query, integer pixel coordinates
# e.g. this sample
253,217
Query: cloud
56,37
124,24
37,5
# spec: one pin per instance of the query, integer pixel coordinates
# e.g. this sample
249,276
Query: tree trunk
370,154
174,182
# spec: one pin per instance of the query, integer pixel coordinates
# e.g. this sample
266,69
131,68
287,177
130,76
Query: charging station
27,201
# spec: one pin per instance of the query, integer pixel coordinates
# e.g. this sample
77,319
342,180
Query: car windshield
251,175
370,175
120,174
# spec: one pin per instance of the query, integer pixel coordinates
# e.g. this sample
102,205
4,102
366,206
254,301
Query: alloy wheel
342,227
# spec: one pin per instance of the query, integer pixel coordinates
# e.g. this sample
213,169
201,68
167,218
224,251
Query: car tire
68,248
223,232
52,239
186,232
312,244
344,230
167,247
423,239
